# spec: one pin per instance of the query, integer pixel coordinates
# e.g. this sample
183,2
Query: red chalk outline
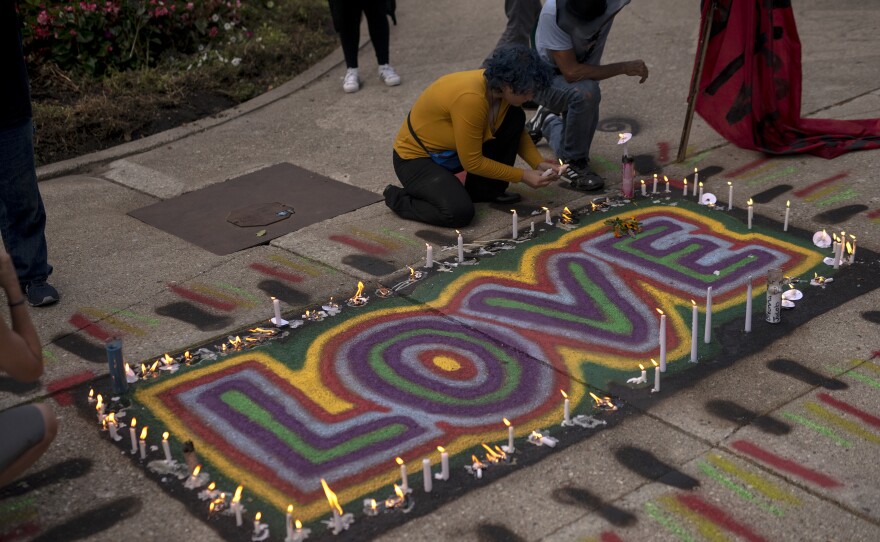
783,464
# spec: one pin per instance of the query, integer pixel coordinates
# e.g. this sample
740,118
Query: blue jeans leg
578,102
22,215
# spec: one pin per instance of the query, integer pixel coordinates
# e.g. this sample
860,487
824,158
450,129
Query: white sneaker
351,82
387,74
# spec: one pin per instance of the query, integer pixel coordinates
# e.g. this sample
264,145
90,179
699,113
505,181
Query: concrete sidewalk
116,273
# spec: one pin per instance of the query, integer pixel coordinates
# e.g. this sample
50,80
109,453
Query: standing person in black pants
469,121
347,22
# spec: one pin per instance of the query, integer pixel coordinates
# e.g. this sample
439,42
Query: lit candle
300,534
403,482
787,211
547,219
165,447
662,341
429,256
694,322
751,212
509,448
532,228
837,261
277,319
236,504
748,327
444,464
696,180
99,408
707,332
288,523
131,431
644,375
566,416
644,188
700,196
656,387
654,191
427,475
729,195
259,528
514,231
142,444
852,250
666,180
112,426
460,247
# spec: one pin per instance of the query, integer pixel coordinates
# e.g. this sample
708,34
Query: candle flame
167,359
211,486
513,211
111,418
643,181
659,311
694,303
491,456
564,395
441,449
427,245
289,508
91,393
696,170
655,175
412,271
372,504
788,203
729,183
642,367
331,497
143,369
749,203
399,492
360,289
237,496
100,402
545,208
665,178
685,181
620,136
155,365
596,398
144,433
196,472
458,232
258,517
165,435
701,184
187,355
134,422
506,421
211,508
560,162
299,524
654,362
399,460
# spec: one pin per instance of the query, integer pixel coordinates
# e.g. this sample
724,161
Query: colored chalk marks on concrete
440,365
739,414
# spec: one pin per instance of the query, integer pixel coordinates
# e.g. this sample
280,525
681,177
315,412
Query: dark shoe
40,293
580,177
506,198
535,125
391,194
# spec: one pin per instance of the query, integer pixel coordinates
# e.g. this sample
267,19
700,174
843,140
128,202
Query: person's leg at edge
349,28
501,149
22,215
377,25
39,440
430,194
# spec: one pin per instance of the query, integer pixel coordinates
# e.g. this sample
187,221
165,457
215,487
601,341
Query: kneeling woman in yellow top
469,121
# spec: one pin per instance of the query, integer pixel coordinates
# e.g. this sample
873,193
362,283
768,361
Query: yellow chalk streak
307,269
380,239
842,422
706,528
214,292
112,320
822,192
763,486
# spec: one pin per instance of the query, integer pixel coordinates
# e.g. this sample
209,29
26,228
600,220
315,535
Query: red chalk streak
608,536
275,272
874,214
23,531
849,409
784,464
747,167
817,185
718,517
363,246
663,147
199,298
82,323
58,388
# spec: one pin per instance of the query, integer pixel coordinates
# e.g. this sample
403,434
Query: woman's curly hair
518,67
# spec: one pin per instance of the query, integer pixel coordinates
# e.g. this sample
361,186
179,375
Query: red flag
750,88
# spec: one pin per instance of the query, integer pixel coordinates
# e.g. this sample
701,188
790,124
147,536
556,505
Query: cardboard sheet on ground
227,217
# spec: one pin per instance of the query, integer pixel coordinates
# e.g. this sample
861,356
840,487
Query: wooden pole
695,82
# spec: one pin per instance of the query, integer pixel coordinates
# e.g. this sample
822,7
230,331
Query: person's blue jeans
571,135
22,215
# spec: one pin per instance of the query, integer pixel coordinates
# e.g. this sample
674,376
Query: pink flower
213,32
189,6
72,32
43,18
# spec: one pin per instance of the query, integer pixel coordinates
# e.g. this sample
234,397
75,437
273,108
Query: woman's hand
539,178
8,277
